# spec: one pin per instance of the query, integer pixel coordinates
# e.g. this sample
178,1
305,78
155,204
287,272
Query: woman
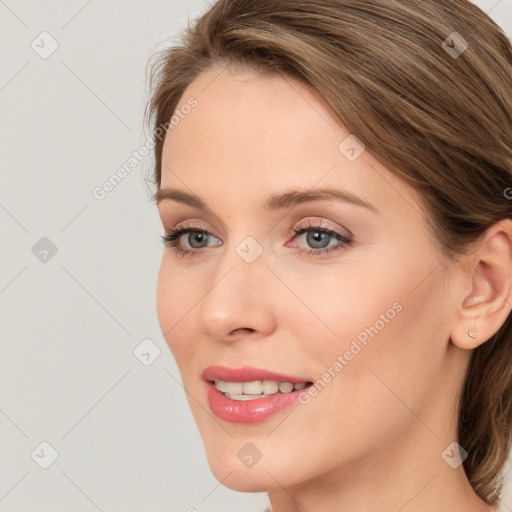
334,184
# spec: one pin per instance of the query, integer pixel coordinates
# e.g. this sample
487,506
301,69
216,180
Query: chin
243,480
229,468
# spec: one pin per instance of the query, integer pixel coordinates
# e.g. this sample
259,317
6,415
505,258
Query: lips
235,410
246,374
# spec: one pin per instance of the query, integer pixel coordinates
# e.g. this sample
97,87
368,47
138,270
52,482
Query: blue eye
195,235
318,238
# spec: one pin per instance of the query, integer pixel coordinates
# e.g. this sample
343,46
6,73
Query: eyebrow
274,202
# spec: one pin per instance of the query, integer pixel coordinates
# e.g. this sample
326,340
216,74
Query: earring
472,334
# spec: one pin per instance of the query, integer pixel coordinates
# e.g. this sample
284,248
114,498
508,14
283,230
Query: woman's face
357,302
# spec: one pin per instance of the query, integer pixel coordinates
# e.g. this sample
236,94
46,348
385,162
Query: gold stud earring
472,334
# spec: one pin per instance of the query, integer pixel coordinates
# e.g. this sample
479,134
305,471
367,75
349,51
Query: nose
239,302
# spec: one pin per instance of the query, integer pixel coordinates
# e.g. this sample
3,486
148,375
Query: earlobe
484,310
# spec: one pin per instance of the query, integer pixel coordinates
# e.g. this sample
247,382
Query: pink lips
246,374
247,411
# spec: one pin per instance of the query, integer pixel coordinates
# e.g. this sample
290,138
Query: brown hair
441,121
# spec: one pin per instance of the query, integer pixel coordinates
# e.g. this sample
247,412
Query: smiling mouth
252,390
251,395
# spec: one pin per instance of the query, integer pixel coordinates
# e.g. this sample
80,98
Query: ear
484,310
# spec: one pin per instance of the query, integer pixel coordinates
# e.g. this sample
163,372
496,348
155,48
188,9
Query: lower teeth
251,397
244,397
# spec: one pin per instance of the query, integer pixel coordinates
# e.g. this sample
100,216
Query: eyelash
171,239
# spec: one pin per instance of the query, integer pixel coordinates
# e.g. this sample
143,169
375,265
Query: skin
372,438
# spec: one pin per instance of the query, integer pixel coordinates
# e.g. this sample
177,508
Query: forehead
249,123
261,133
243,110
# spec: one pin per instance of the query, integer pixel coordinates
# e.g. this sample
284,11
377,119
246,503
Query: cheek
379,318
339,305
393,342
175,298
164,299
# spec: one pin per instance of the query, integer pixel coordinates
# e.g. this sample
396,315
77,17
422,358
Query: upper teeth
256,387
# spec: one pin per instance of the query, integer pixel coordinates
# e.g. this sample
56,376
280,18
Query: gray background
70,321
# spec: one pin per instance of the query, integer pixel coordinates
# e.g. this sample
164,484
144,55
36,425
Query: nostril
243,329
